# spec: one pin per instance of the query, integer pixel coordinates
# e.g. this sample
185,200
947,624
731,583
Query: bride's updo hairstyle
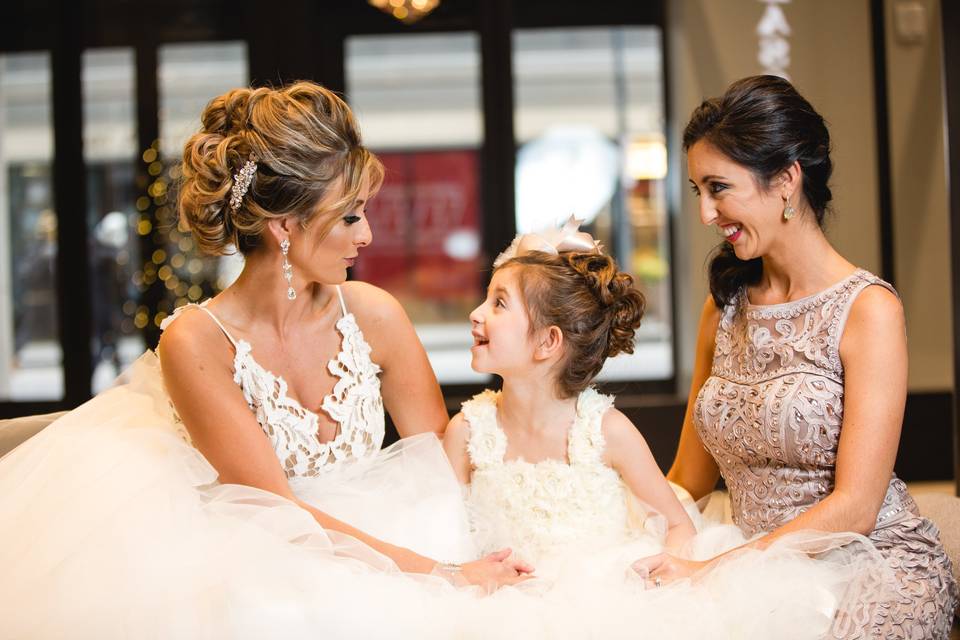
305,142
763,124
594,305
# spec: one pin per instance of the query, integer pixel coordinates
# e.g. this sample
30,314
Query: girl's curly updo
305,142
593,303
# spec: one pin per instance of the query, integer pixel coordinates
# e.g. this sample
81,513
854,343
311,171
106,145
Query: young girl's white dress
112,525
580,525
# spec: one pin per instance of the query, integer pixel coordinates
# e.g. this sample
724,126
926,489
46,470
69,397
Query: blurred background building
492,117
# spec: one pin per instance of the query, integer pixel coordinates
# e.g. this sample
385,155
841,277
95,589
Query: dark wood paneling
925,452
14,409
26,26
548,13
498,156
286,43
950,21
925,444
74,313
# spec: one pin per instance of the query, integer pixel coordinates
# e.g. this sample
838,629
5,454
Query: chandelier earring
287,269
788,210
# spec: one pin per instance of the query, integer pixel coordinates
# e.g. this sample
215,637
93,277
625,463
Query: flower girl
549,459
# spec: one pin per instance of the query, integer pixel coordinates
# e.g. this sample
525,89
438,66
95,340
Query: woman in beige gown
801,366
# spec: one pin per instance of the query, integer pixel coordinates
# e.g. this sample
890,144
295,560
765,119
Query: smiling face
325,258
501,327
748,215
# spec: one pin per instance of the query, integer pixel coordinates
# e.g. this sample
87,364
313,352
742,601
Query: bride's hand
665,568
496,570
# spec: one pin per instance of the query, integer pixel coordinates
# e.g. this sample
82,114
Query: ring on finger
657,582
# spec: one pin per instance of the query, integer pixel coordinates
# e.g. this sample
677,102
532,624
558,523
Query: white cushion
16,431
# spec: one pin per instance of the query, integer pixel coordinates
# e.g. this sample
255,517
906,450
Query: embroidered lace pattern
771,414
540,508
355,404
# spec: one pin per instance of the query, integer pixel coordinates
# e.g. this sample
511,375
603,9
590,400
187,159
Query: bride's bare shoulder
371,304
191,339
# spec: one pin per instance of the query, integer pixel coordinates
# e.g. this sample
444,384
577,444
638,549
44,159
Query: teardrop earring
287,269
788,210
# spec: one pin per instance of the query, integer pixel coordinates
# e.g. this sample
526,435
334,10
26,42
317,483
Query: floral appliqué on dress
538,508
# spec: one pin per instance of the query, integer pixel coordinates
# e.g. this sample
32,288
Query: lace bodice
355,403
771,411
538,508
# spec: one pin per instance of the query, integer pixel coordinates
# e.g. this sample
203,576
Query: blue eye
717,187
351,219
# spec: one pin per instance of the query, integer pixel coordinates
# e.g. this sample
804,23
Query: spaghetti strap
220,324
343,305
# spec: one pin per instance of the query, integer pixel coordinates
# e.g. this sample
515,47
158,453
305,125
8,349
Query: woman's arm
455,440
694,468
629,455
197,366
873,350
408,384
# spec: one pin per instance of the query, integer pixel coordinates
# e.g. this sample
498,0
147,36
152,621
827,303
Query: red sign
426,233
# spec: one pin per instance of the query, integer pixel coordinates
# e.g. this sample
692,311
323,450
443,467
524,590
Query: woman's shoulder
189,326
191,334
875,307
878,288
370,303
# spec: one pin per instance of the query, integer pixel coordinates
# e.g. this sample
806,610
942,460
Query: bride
225,476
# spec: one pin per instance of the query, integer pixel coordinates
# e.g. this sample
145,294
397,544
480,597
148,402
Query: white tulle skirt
112,526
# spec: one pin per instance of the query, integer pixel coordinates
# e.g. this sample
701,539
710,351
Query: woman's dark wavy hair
763,124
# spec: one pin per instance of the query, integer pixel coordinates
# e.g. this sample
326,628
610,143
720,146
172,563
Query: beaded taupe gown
771,415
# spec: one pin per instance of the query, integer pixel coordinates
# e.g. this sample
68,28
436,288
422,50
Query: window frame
286,40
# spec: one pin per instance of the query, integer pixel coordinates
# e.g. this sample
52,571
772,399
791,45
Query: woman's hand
665,568
496,570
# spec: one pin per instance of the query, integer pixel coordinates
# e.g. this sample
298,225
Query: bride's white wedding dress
112,526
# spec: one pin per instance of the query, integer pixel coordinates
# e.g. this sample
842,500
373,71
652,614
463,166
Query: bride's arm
629,455
408,384
197,365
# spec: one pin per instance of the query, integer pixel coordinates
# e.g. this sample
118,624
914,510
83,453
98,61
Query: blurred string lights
407,11
171,258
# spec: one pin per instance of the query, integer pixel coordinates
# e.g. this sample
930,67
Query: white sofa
15,431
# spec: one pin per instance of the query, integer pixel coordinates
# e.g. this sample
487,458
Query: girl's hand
496,570
665,568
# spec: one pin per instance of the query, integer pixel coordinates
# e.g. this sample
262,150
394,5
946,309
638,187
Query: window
417,98
190,75
110,155
30,353
589,130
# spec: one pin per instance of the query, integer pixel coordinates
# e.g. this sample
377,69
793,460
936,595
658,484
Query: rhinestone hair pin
241,182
